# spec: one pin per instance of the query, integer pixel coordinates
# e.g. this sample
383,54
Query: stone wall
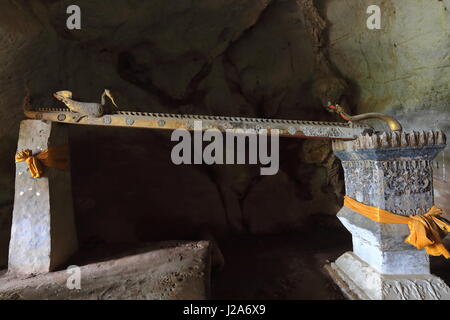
225,57
28,54
402,69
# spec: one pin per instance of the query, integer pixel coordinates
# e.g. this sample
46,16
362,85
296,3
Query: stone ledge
178,271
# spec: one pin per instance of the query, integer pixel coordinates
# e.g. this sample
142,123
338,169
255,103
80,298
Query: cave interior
282,59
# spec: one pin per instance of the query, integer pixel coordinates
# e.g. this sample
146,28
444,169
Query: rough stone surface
360,281
21,32
284,212
402,69
43,232
164,271
403,64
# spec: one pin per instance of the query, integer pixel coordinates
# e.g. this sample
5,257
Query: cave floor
279,267
288,266
266,267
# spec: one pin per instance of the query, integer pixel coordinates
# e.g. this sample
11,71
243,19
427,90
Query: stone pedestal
392,172
43,234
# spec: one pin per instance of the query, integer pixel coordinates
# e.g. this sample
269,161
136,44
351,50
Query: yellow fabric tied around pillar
53,157
426,231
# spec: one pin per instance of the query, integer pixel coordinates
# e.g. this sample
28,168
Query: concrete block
43,234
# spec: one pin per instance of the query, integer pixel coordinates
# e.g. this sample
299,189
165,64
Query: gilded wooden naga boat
95,115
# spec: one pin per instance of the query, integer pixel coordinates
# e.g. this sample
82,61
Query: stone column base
359,281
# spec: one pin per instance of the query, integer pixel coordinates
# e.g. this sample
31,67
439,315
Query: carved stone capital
391,171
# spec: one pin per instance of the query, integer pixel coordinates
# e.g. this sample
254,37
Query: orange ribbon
426,231
53,157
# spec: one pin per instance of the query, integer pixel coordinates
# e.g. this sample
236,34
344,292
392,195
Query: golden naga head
62,95
392,123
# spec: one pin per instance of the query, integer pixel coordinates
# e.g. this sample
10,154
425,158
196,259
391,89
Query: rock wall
28,55
402,69
225,57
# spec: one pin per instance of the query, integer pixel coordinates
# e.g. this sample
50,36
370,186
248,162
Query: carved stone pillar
43,234
391,171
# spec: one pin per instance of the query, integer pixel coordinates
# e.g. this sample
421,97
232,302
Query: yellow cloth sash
426,230
53,157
